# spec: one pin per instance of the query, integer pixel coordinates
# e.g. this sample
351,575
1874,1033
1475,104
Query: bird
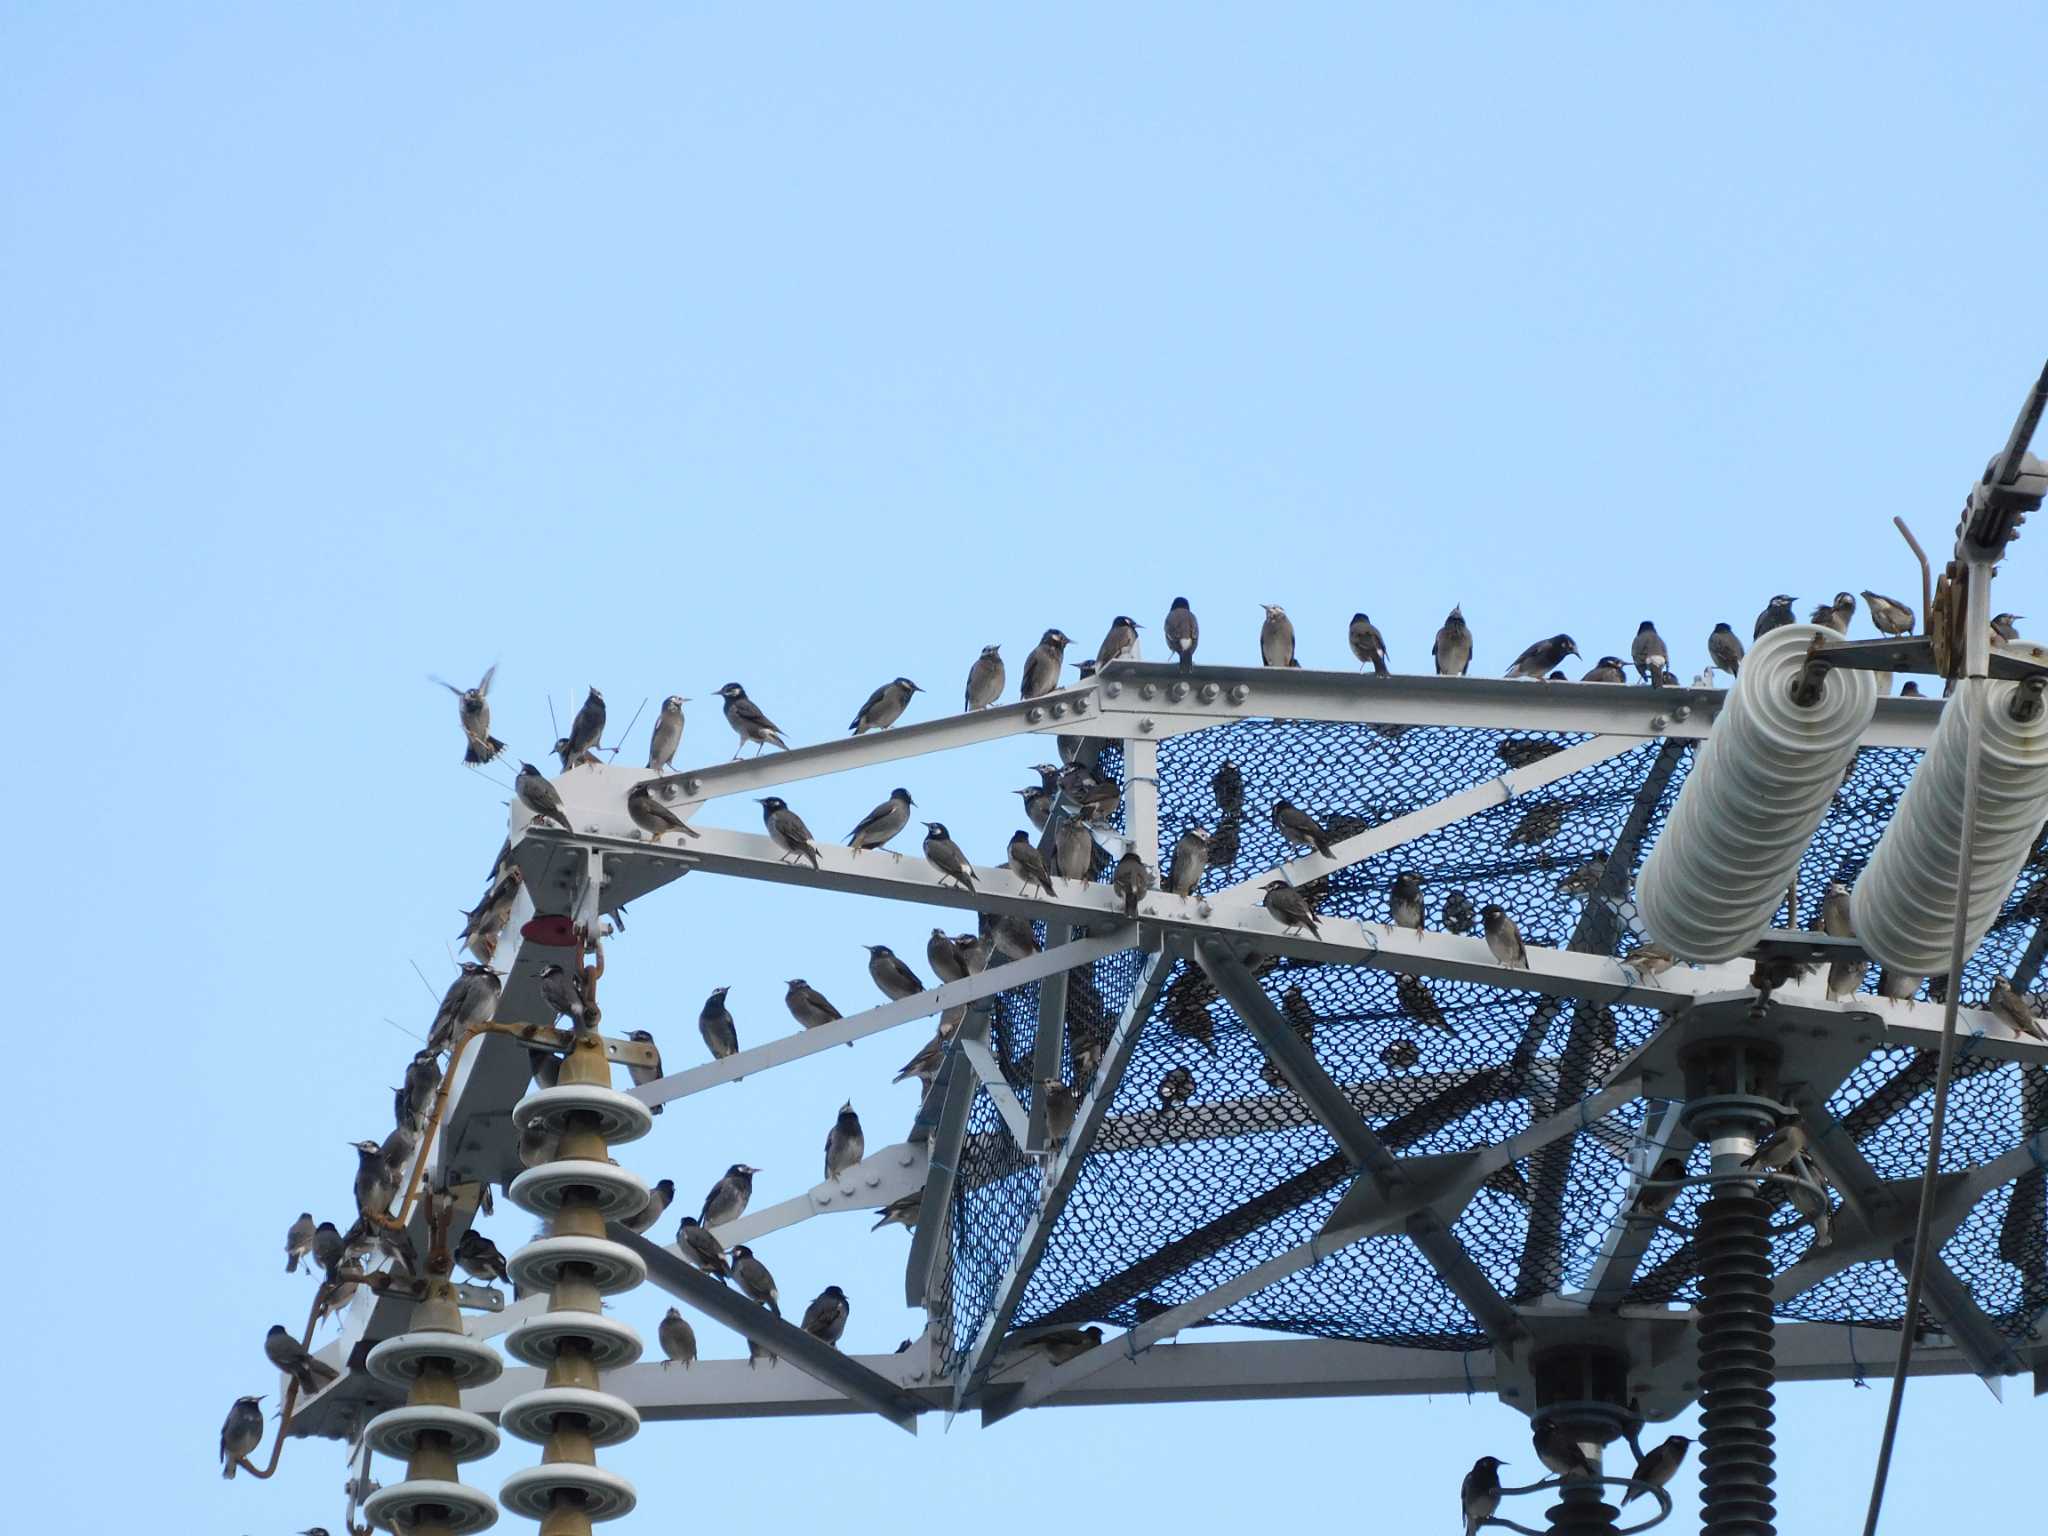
539,796
1584,880
2005,628
1404,900
479,1258
1543,655
1176,1088
903,1211
1289,906
298,1241
1649,652
1063,1344
1479,1494
290,1356
1452,649
326,1248
659,1198
885,706
896,979
241,1433
562,991
1458,912
1038,803
1898,986
1891,616
754,1280
1608,669
374,1186
844,1144
757,1352
1651,959
1562,1454
1301,829
1276,637
473,709
1656,1194
924,1066
809,1006
1227,785
667,738
1027,863
1042,666
1073,848
944,855
825,1317
2011,1005
882,823
714,1023
585,731
944,957
1061,1103
748,722
471,999
484,922
1724,649
642,1076
1807,1192
786,830
1121,643
701,1248
1419,1003
1778,1149
985,679
729,1196
1657,1467
651,816
1503,938
1538,824
1777,613
1368,645
1183,634
1400,1054
1131,881
1189,860
1910,690
1836,615
677,1338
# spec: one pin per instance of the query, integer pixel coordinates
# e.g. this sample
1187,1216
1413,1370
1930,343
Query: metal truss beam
990,1071
951,1096
1629,1234
1047,1045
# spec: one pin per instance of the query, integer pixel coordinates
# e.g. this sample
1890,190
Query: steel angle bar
978,1056
1629,1234
717,1389
1047,1044
881,1176
954,1090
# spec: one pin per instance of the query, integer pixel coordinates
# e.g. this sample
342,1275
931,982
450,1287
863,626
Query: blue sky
652,346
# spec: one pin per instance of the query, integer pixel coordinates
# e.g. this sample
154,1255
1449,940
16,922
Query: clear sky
649,346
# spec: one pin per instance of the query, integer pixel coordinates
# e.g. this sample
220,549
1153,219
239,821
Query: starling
1131,881
1276,637
1419,1003
1026,863
539,796
1301,829
757,1352
1457,913
1891,616
882,823
563,992
1810,1202
1061,1102
478,1257
326,1248
1479,1494
1584,880
1649,652
1400,1054
1404,900
473,708
1452,649
667,739
1909,690
1657,1193
1368,645
1541,657
1183,634
885,706
485,922
1778,1149
1777,613
1836,615
896,979
659,1198
290,1356
1063,1344
1176,1088
1120,644
809,1006
924,1066
985,679
700,1248
944,957
1520,752
678,1340
945,856
374,1187
903,1211
728,1199
2005,628
651,816
1561,1454
585,731
786,830
298,1241
1608,669
714,1022
1038,804
642,1076
1651,959
1657,1467
1290,907
1073,848
1724,649
753,1279
747,721
1897,986
844,1144
241,1434
538,1145
1503,938
471,999
1094,795
1042,666
2008,1002
825,1318
1190,859
1227,784
1539,824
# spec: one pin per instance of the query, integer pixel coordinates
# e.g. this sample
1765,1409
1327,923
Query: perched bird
667,739
1183,634
945,856
701,1248
1061,1103
1290,907
1845,976
1608,669
1542,656
1027,864
539,796
1120,644
1910,690
537,1145
1368,645
808,1006
1724,649
714,1023
585,731
1778,1149
844,1144
924,1066
473,708
753,1279
1649,652
901,1212
1584,880
1538,824
1891,616
882,823
1276,637
1176,1088
885,706
651,816
1503,938
1400,1054
985,678
1064,1344
1658,1466
757,1352
1777,613
1073,848
1131,881
241,1433
748,722
786,830
1419,1003
1300,829
478,1257
1094,795
298,1241
944,957
1458,912
374,1185
659,1198
1190,859
1836,615
677,1338
1227,784
485,922
290,1356
562,991
896,979
1561,1454
1651,959
2008,1002
1808,1197
2005,628
326,1248
825,1317
1898,986
1479,1494
1038,803
1404,900
1042,666
1452,649
1520,752
729,1196
642,1076
1655,1195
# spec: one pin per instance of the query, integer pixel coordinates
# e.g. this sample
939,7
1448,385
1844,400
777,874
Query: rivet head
1207,693
1059,711
1147,690
1239,692
1034,714
1177,692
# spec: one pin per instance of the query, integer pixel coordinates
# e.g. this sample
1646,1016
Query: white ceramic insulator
1904,906
1749,807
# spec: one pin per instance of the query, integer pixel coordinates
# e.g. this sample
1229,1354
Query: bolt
1207,693
1239,692
1080,706
1147,690
690,785
1059,711
1146,724
1682,712
1658,722
1114,690
1177,692
1034,714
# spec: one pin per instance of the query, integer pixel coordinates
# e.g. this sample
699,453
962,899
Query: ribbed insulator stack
433,1434
577,1265
1904,906
1750,805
